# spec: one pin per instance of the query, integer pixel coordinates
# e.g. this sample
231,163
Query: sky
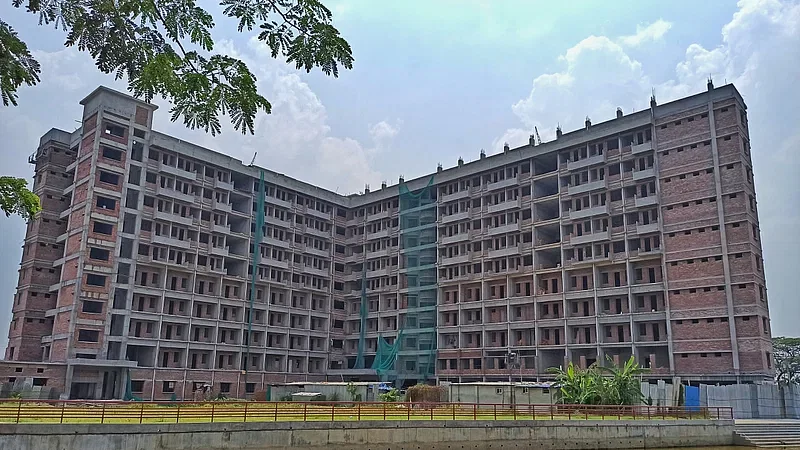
437,80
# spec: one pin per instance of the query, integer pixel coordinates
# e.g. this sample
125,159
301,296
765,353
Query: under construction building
152,272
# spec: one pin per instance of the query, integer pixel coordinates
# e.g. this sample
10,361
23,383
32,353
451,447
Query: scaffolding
411,356
416,346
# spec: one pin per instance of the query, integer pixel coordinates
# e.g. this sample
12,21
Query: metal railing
81,411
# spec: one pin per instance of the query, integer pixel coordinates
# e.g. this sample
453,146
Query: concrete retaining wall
424,435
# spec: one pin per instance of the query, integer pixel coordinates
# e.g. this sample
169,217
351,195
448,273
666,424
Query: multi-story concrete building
637,236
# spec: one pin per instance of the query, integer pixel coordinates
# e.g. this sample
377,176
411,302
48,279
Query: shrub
599,385
393,395
424,393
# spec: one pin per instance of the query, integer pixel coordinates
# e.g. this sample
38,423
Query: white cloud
597,77
597,74
646,33
382,131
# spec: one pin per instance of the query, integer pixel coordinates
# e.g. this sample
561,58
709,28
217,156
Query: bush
393,395
600,385
423,393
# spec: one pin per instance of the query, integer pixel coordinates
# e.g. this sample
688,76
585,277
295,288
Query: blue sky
437,80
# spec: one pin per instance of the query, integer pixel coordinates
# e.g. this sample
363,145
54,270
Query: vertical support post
103,413
178,414
408,410
359,410
19,409
333,412
245,405
62,411
384,411
275,417
305,411
141,413
495,412
453,406
212,412
432,408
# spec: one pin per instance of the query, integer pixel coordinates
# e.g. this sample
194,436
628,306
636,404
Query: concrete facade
393,435
637,236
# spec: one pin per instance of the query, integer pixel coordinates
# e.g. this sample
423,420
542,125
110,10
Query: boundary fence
115,412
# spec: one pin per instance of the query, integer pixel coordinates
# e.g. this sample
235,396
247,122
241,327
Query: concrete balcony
509,228
589,212
645,201
586,162
228,186
455,196
177,171
317,272
378,272
460,237
379,215
219,251
504,206
354,258
175,218
279,202
591,237
166,240
460,259
508,182
221,206
587,187
188,198
455,217
379,234
316,251
319,214
275,221
319,233
225,229
641,148
644,174
503,252
642,229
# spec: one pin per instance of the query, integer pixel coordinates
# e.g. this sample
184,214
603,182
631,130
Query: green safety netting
386,355
359,364
129,388
416,344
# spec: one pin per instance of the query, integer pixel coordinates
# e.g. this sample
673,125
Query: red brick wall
683,270
683,156
698,299
695,363
723,119
141,116
687,329
697,181
748,326
679,213
87,144
90,123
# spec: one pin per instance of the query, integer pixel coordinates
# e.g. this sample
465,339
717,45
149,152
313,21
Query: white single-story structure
504,393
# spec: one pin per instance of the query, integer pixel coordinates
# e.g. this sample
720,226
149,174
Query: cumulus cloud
597,74
646,33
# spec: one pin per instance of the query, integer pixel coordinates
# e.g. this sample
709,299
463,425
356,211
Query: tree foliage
600,385
787,359
15,198
165,47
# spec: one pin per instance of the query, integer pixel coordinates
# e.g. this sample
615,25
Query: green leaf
15,198
162,48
